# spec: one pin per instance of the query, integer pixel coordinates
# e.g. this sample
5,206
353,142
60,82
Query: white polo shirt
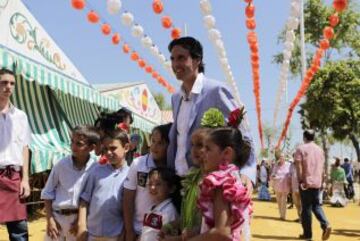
15,134
183,117
136,180
159,215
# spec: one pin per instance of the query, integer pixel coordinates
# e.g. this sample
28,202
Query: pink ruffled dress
227,179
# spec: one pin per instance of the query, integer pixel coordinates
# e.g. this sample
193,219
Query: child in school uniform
136,195
163,187
62,190
100,212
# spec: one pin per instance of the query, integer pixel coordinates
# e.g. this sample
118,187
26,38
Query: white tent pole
302,40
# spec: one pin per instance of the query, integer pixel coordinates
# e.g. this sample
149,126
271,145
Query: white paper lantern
292,23
219,44
221,53
167,64
205,7
289,45
223,61
154,50
214,34
162,58
113,6
295,9
127,19
286,63
146,41
209,21
137,31
290,36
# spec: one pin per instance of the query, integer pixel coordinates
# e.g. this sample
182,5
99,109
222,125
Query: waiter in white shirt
14,161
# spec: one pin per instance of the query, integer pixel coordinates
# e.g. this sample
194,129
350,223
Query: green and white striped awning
55,103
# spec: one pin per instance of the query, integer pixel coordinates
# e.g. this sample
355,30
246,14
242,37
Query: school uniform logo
142,178
153,220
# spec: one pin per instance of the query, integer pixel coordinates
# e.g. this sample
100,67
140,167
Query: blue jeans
18,230
310,202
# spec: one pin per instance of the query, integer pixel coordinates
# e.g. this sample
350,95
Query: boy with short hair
100,212
62,190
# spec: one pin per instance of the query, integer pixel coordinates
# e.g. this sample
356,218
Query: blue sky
101,62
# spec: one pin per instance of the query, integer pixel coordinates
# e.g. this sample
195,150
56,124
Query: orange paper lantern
134,56
105,29
166,22
78,4
154,74
328,32
115,38
340,5
175,33
141,63
250,23
250,11
126,48
251,38
334,20
324,44
157,6
248,1
255,58
148,69
254,48
93,17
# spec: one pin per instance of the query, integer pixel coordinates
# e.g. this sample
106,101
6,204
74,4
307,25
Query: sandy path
266,225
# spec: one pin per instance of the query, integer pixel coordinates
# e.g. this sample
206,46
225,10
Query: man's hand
53,228
248,184
24,189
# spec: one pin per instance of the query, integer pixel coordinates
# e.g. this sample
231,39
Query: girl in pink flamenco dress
223,201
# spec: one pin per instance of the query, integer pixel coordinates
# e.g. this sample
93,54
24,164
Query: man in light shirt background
309,161
14,161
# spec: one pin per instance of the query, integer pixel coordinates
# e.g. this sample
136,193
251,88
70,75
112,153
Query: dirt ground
266,225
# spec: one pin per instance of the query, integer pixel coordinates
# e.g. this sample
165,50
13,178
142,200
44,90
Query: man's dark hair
309,135
193,46
346,159
6,71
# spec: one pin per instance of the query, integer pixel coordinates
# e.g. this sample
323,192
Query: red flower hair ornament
123,126
236,116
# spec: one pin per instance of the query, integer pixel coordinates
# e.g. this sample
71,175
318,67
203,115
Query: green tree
161,102
332,101
346,42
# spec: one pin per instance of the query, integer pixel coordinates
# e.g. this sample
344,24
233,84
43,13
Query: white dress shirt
14,136
183,117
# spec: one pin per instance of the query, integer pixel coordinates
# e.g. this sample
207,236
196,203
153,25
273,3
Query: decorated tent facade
137,97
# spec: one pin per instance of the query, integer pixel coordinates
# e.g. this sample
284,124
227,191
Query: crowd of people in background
338,188
282,176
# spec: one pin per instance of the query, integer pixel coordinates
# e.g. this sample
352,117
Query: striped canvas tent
54,105
49,88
